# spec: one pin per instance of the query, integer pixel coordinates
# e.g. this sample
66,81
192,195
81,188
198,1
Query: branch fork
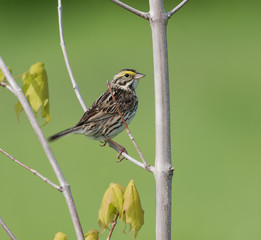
146,15
65,188
59,188
56,168
163,172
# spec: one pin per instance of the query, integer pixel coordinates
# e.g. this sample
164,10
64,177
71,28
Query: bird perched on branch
102,120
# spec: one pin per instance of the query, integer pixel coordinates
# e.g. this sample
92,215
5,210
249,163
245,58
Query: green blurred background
215,85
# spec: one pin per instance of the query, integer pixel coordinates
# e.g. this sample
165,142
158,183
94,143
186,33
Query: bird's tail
68,131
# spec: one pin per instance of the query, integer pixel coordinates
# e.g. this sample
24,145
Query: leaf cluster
35,89
126,203
117,201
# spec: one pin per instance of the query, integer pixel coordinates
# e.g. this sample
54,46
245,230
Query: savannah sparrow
102,121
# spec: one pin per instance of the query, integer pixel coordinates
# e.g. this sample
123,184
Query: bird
102,120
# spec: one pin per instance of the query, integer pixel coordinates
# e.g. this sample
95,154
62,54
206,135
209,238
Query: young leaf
2,76
112,203
92,235
35,88
132,210
60,236
18,109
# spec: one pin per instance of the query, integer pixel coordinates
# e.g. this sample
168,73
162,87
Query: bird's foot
122,149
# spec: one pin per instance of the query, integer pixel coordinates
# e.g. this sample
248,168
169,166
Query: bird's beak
138,76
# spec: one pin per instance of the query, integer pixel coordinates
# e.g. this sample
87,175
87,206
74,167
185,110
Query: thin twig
131,159
127,128
170,13
62,43
7,230
131,9
56,168
59,188
113,226
3,84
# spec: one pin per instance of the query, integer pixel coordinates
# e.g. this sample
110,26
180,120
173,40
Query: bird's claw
123,150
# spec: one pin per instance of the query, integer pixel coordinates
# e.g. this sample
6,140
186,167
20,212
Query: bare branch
3,84
113,226
127,128
56,168
62,43
7,230
59,188
163,167
131,159
131,9
170,13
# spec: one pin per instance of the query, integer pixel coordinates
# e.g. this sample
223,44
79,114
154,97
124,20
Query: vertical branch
56,168
163,171
163,168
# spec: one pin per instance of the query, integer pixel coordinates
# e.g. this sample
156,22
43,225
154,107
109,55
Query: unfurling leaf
132,210
60,236
92,235
35,88
2,76
111,205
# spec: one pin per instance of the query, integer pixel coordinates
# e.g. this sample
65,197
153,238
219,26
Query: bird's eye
126,75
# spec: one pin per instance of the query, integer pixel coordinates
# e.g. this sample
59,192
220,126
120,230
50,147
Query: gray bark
163,168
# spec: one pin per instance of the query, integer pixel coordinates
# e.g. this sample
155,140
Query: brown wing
104,107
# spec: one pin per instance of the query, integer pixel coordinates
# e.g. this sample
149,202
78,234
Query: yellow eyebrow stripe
128,72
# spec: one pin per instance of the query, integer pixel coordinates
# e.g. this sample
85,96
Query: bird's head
127,79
